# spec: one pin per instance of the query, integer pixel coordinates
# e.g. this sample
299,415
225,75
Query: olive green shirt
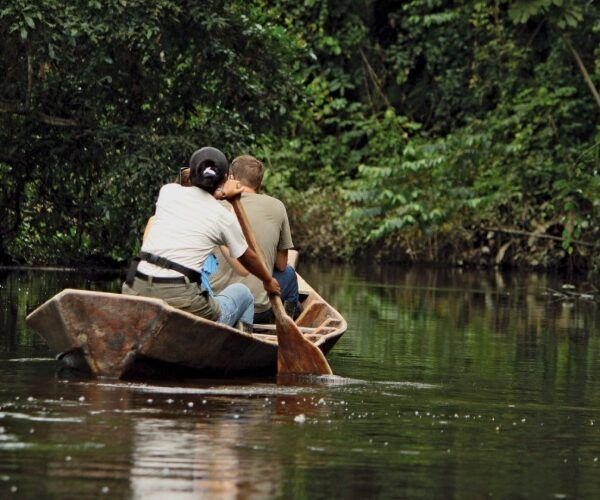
269,221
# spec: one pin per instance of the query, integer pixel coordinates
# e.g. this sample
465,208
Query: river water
450,384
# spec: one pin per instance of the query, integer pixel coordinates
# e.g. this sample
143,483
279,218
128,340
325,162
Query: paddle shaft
295,354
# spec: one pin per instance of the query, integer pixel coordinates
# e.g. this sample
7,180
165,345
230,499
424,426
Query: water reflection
434,325
453,384
206,459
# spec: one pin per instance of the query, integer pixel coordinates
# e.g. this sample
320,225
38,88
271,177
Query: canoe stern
109,329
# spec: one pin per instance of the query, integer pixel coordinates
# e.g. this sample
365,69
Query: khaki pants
186,296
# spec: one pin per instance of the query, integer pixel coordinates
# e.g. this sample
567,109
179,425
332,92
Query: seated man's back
268,218
269,221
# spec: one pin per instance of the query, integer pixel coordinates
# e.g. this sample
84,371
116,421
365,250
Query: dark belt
159,261
161,279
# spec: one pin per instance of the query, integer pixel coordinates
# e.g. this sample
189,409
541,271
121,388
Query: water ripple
33,418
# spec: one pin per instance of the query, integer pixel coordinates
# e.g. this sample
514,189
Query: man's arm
250,261
281,260
234,263
285,241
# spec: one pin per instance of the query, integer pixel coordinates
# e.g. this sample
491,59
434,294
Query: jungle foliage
427,130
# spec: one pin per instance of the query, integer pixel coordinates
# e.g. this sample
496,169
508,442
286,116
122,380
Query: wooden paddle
295,354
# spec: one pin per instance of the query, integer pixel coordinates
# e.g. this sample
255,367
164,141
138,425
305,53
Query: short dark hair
208,168
248,170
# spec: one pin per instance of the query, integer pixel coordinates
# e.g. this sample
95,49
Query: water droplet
190,404
105,489
82,398
300,418
149,400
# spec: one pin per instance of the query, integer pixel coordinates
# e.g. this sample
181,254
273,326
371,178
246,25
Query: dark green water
455,385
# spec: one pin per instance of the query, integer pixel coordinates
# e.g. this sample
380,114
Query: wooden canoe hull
121,336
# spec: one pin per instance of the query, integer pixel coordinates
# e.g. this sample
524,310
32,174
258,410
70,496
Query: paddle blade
296,354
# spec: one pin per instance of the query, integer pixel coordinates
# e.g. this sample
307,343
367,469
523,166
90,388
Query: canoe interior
119,336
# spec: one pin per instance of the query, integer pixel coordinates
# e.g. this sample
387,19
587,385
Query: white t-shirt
188,224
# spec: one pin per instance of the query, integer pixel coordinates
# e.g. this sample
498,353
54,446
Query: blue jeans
288,282
237,304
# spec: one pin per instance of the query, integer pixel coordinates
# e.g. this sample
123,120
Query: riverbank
481,258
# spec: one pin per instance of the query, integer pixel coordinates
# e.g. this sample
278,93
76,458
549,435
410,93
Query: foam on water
30,360
33,418
260,389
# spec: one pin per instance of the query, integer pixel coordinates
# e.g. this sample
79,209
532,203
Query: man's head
248,170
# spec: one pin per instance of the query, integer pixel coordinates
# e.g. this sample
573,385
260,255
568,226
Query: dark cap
210,154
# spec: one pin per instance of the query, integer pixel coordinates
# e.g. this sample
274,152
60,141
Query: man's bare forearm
250,261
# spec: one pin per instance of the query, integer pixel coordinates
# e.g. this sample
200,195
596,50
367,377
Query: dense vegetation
428,130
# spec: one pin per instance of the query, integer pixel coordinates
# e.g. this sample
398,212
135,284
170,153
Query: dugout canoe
122,336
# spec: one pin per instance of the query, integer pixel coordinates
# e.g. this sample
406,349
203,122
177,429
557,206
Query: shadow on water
449,384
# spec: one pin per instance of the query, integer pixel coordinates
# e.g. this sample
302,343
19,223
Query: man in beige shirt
268,218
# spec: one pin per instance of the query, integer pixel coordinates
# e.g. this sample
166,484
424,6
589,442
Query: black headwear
211,154
208,169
